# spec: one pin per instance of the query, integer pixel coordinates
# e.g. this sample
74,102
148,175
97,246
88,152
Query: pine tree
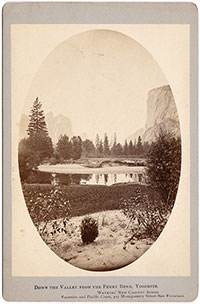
115,138
134,148
119,150
106,148
101,148
37,120
97,145
113,149
139,146
39,141
76,147
130,148
125,150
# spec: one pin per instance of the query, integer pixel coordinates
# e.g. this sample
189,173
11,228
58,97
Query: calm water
110,179
98,179
88,176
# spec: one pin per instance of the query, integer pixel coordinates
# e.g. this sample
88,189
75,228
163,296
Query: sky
100,80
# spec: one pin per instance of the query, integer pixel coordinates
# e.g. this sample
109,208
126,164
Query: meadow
84,199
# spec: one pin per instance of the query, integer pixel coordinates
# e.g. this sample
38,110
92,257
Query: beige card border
16,288
157,261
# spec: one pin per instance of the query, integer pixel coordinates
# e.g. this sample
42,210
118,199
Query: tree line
38,145
76,148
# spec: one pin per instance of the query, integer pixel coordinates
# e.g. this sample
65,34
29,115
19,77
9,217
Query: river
77,174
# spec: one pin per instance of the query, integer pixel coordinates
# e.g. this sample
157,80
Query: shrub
27,159
164,166
147,215
39,177
47,205
89,230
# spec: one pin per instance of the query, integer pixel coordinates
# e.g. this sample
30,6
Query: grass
87,199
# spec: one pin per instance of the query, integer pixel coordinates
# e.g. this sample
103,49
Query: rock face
135,135
56,125
161,115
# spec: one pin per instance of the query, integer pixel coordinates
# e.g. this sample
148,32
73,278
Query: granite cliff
161,114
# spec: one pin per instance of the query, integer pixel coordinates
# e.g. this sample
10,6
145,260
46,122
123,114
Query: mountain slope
135,135
58,125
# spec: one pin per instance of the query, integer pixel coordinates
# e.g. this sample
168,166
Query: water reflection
105,179
86,179
99,179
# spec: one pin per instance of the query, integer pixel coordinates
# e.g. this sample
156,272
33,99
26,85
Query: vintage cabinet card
100,152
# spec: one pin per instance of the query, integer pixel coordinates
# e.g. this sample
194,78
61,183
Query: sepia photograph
99,150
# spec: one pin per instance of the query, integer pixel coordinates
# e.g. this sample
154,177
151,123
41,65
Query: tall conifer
37,120
38,138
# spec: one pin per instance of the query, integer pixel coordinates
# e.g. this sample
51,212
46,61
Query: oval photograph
99,150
